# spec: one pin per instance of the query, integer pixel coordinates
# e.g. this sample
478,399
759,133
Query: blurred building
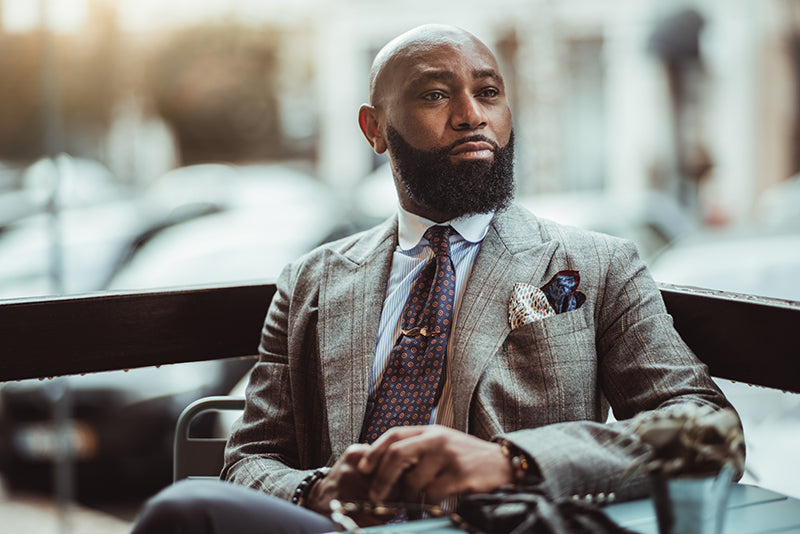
639,117
695,98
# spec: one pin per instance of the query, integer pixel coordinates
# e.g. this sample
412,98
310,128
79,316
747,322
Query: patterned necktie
411,381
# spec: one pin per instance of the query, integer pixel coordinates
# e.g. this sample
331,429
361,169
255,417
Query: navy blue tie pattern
411,382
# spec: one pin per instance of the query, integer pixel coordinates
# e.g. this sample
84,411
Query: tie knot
439,238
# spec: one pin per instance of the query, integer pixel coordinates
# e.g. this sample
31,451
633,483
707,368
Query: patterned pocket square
562,291
529,303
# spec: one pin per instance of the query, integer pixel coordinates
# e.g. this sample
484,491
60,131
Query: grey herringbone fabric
545,386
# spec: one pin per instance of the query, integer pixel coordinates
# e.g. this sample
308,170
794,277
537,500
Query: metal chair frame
200,457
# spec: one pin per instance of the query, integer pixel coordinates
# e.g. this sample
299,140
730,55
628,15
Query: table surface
751,510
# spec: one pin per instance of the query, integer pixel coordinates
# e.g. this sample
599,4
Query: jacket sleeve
262,450
642,364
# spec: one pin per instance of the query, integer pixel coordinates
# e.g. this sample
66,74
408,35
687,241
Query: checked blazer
545,386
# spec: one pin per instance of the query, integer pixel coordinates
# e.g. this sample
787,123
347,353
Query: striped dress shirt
410,257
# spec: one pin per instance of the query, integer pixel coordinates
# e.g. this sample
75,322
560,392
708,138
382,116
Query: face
440,96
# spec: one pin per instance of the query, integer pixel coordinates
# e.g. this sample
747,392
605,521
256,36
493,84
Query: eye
433,96
489,92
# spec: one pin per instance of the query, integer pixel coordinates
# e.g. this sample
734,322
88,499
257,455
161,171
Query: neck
430,214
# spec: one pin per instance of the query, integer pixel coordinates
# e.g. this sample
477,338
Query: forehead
425,62
446,61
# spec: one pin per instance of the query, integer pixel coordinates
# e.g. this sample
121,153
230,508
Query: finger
343,482
481,469
427,469
353,454
375,452
388,474
399,457
442,486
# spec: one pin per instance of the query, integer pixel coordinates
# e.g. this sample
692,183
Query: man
532,361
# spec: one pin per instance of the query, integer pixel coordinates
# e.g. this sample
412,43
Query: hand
345,483
433,459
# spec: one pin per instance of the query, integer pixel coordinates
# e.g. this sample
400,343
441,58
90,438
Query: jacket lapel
513,251
351,300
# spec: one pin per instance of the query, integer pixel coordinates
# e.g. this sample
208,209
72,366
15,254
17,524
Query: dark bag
532,512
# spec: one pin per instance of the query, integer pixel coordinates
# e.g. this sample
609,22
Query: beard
434,183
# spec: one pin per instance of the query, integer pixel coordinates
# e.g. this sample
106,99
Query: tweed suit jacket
545,386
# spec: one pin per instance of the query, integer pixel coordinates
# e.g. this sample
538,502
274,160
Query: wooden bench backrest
740,337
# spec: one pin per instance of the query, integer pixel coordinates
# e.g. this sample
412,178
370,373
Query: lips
471,146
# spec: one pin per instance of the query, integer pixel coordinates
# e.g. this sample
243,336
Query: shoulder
357,248
600,258
518,220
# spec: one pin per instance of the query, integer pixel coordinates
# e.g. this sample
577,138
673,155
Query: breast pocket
550,330
546,373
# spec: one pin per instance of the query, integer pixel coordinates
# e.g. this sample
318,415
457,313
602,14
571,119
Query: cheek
503,125
421,132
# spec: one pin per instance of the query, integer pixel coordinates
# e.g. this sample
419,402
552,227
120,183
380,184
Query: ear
369,122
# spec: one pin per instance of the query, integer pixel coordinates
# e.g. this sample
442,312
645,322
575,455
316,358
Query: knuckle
352,453
394,453
395,433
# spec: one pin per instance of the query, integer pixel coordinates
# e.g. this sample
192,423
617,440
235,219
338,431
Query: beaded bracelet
519,463
524,471
306,484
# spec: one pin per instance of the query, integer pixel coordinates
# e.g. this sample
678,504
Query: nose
467,113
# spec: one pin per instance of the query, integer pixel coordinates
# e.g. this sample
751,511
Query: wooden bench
740,337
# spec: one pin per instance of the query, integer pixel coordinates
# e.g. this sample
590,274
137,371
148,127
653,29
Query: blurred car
72,249
205,224
268,215
118,431
15,203
375,198
76,254
753,263
778,207
653,220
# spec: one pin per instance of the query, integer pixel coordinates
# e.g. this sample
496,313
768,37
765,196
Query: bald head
416,41
438,107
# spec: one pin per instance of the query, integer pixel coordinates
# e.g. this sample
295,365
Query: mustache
470,139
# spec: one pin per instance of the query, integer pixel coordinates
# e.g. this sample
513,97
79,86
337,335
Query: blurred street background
157,143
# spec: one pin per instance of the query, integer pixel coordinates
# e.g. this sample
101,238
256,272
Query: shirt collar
411,227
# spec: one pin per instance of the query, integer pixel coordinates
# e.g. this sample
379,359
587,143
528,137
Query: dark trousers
216,507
